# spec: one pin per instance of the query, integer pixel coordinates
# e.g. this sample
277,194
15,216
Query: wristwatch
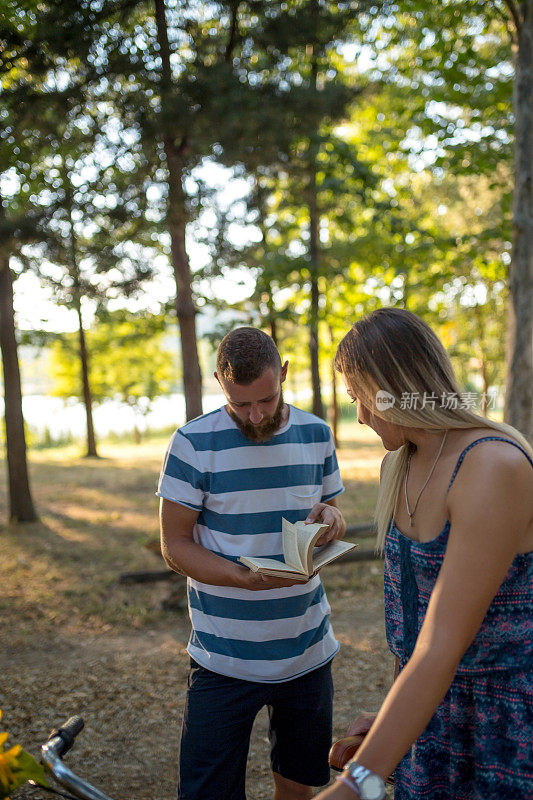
367,784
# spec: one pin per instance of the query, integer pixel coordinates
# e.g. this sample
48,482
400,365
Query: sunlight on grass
359,455
98,515
152,449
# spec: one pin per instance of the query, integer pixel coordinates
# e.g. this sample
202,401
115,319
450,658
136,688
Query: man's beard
266,428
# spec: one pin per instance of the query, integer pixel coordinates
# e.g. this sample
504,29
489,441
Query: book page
259,564
298,540
273,568
308,534
291,546
330,551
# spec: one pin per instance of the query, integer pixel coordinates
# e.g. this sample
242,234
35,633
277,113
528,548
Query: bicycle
62,739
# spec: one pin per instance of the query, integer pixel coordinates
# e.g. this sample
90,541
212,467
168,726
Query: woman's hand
346,748
359,727
362,724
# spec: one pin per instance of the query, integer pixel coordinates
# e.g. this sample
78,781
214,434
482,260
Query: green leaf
26,769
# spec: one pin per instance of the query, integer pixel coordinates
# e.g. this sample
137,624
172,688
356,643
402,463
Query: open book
301,556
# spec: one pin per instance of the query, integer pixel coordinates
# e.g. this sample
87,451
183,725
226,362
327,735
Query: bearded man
227,480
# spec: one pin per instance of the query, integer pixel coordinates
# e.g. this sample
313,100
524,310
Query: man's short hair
244,354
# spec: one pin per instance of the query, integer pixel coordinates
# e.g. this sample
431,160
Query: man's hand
328,514
256,582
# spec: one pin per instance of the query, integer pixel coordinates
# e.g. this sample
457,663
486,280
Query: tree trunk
21,506
86,388
271,306
318,406
334,413
314,256
519,401
84,357
485,392
272,319
314,266
177,223
186,312
483,364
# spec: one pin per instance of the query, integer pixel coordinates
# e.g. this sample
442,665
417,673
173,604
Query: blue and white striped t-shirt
242,489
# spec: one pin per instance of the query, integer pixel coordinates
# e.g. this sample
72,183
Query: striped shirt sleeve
181,479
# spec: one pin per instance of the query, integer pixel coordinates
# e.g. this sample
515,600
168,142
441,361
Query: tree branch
233,32
514,11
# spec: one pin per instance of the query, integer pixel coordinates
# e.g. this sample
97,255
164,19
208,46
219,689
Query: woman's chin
390,445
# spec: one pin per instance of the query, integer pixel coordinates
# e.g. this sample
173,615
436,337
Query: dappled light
171,171
81,641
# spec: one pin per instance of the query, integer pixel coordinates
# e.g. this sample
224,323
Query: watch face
372,788
369,785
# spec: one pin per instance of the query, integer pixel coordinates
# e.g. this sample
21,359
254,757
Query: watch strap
349,782
358,775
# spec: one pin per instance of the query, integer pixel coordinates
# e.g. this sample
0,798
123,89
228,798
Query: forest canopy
291,165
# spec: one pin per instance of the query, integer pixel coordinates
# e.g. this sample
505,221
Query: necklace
413,512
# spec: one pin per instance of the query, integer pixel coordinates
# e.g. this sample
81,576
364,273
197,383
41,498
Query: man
228,479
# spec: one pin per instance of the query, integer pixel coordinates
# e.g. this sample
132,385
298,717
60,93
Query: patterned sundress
478,745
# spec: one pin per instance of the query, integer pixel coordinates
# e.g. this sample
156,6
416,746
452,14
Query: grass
96,518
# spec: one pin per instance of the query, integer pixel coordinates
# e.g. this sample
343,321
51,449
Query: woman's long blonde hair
388,359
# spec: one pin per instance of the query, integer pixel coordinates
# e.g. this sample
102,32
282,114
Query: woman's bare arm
489,521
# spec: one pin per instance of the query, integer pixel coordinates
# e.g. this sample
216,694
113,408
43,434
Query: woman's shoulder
487,450
491,479
480,439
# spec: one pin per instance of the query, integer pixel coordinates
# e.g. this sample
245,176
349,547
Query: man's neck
284,416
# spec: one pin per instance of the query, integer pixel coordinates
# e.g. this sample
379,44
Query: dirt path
75,640
130,689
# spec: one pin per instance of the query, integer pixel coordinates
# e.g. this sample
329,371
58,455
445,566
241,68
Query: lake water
64,419
67,418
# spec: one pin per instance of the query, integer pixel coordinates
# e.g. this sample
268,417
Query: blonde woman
455,519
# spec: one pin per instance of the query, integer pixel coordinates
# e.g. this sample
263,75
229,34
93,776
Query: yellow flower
8,760
16,767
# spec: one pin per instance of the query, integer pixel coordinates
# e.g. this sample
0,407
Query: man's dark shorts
217,723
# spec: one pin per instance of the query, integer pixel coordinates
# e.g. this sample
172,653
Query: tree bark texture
334,411
273,323
314,260
314,264
483,364
177,224
84,356
519,403
86,388
21,506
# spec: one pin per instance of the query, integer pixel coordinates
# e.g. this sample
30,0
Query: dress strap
485,439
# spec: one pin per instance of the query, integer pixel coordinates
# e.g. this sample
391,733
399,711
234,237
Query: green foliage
432,234
27,769
391,122
75,207
128,361
453,63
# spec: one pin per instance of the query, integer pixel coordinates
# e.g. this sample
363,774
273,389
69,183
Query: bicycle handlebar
59,743
68,733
